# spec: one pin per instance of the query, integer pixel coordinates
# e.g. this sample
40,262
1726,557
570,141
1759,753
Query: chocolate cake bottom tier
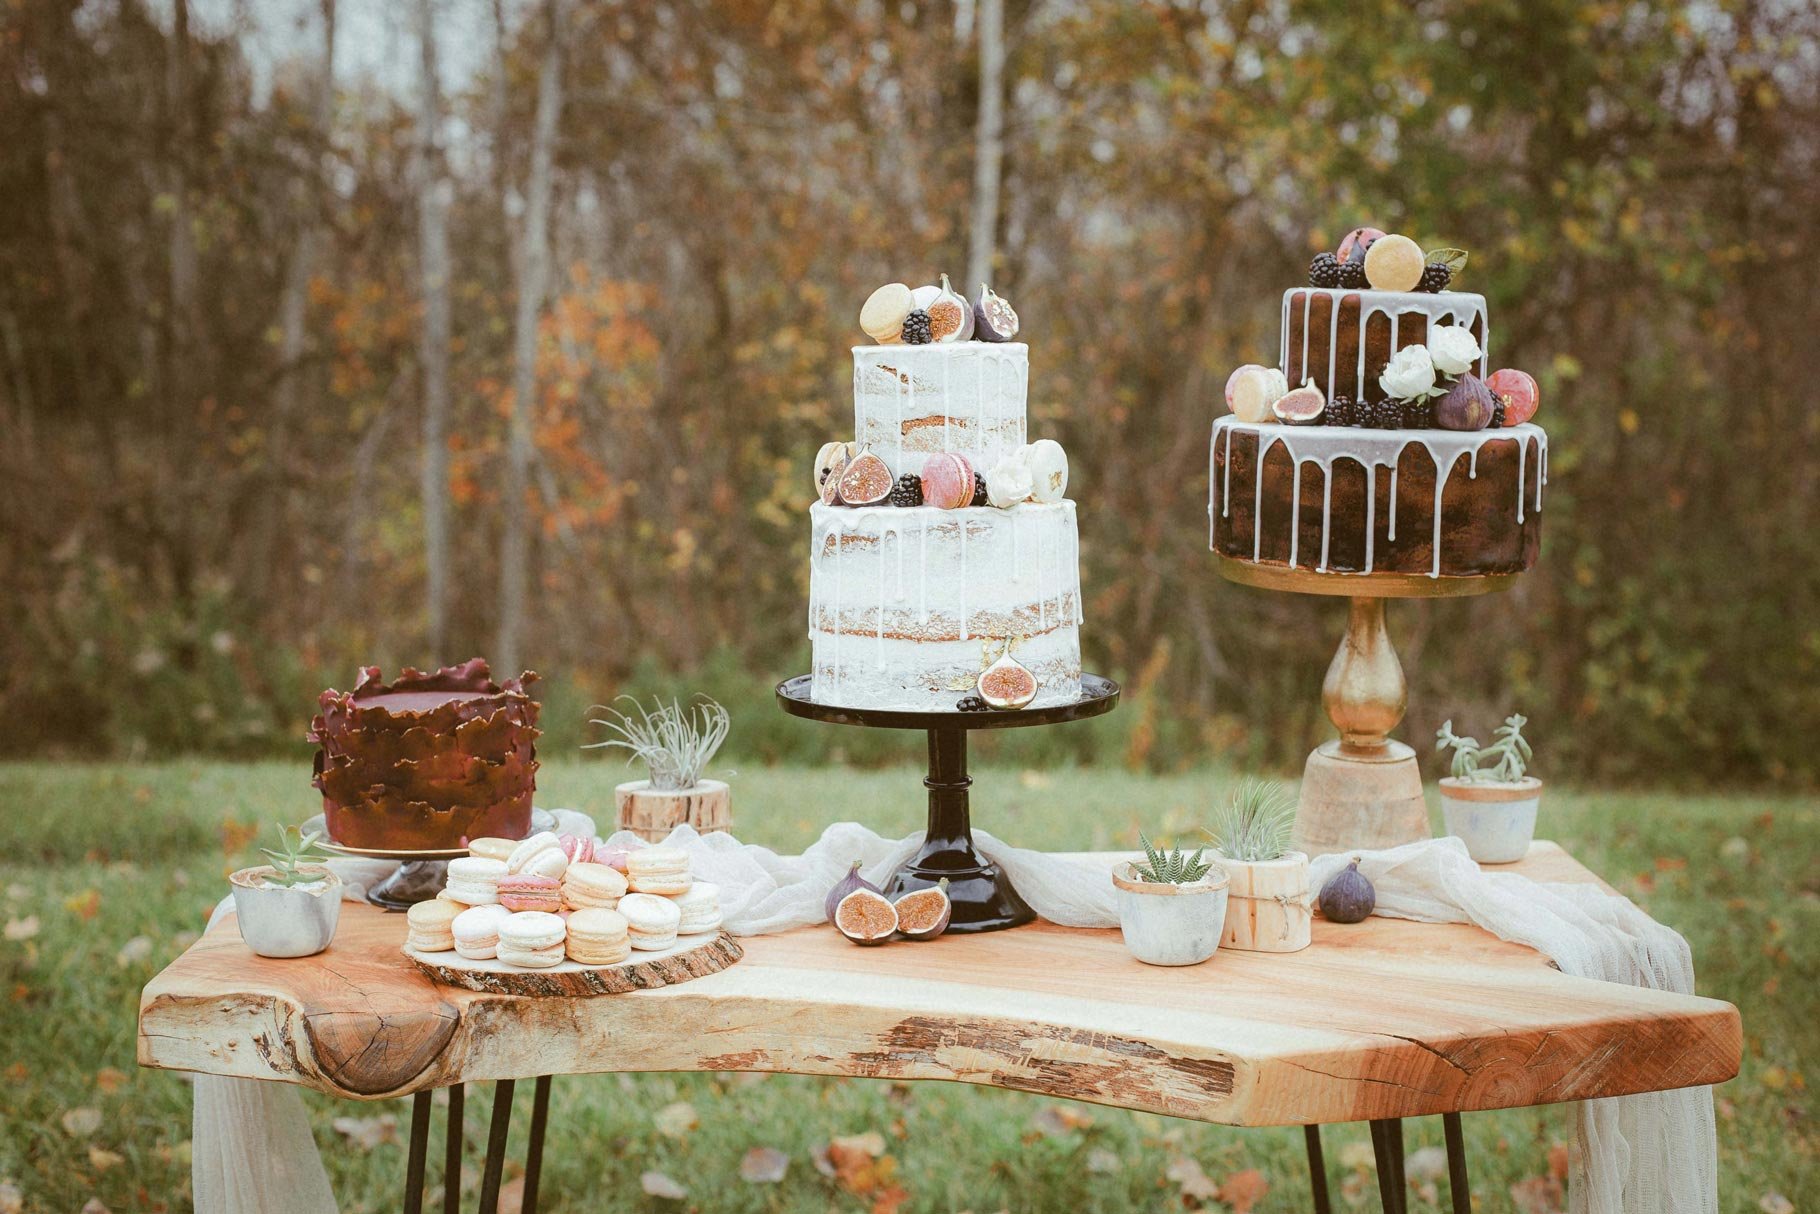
390,822
1353,502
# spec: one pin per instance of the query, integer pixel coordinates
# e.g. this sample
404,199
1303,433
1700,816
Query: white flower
1453,349
1010,481
1410,375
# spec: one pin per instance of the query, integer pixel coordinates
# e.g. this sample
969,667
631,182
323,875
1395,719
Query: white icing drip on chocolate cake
1443,307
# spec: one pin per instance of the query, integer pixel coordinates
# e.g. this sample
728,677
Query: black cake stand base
983,897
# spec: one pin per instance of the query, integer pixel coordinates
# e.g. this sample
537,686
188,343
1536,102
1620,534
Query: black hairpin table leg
1456,1164
1317,1170
420,1143
540,1112
1386,1137
451,1153
496,1147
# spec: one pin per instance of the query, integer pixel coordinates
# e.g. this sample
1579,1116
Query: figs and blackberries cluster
936,314
1370,257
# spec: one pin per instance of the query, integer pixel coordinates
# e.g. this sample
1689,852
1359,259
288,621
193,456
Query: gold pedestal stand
1364,789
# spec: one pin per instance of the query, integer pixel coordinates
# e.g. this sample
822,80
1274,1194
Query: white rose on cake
1410,375
1010,480
1453,349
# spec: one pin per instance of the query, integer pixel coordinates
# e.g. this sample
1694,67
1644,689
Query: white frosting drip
907,606
1457,307
968,397
1324,446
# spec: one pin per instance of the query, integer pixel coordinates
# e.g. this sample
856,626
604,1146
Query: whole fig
1467,406
1348,897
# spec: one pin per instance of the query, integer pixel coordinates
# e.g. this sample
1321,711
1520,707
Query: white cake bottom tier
907,606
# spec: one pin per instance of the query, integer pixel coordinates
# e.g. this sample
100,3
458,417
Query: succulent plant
1505,761
675,743
292,855
1256,823
1171,867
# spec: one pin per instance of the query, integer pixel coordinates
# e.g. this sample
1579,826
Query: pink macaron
576,848
947,481
522,893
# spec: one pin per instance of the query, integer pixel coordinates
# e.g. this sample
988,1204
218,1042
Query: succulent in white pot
1489,799
290,907
676,745
1171,906
1271,907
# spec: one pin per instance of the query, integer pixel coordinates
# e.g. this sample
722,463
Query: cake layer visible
907,606
968,397
1321,334
1352,502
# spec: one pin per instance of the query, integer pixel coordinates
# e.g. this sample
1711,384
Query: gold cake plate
1303,580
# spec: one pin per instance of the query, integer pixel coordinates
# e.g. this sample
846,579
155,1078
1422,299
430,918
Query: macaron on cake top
476,931
532,939
528,893
474,880
598,936
489,848
651,920
540,855
590,884
658,870
699,907
427,926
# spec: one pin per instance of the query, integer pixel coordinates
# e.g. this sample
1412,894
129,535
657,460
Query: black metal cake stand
983,897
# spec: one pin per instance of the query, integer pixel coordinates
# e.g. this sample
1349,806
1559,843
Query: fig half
1301,406
866,917
1007,684
866,481
993,317
924,914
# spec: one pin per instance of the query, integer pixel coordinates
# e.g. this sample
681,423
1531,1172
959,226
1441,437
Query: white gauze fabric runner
1649,1154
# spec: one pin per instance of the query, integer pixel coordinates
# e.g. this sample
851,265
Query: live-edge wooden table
1374,1022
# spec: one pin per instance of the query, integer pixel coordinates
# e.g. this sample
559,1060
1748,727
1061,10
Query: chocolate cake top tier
1343,339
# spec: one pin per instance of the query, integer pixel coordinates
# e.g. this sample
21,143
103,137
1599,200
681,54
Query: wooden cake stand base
690,957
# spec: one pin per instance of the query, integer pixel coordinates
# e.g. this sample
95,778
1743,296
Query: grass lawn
107,872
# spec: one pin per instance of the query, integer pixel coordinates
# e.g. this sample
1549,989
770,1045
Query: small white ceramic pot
1170,924
1495,821
279,922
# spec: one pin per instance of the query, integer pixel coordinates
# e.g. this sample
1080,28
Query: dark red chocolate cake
428,761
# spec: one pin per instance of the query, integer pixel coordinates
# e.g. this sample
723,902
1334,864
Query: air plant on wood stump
1270,904
676,744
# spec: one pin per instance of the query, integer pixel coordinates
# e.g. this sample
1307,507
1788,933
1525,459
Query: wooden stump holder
1269,908
652,813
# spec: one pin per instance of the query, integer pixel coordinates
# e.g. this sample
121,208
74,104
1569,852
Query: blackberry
1352,275
1341,411
917,330
971,704
1324,271
908,491
1418,415
979,490
1497,413
1386,415
1435,277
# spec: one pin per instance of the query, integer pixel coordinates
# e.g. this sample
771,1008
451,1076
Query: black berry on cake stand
982,896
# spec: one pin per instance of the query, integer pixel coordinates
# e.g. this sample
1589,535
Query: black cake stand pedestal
983,897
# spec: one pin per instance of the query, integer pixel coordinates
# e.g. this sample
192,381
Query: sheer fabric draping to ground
1654,1153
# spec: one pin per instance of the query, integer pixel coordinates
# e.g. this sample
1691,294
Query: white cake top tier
967,397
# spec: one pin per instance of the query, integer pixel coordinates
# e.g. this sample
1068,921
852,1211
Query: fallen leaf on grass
109,1080
367,1132
1774,1203
676,1120
763,1165
1102,1161
1426,1163
1354,1188
177,1154
101,1159
133,951
22,929
12,1200
1054,1119
1191,1179
81,1122
1559,1156
1358,1156
512,1196
656,1184
85,905
888,1201
1537,1195
1243,1190
1773,1077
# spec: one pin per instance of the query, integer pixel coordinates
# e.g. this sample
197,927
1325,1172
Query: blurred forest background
336,331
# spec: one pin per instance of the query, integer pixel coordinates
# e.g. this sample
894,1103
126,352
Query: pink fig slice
924,914
866,481
1301,406
866,917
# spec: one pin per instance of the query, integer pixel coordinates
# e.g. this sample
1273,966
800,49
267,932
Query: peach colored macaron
586,885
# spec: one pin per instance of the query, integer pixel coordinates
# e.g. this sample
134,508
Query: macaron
476,931
539,856
586,885
489,848
699,907
452,900
427,926
881,317
651,921
598,936
576,848
658,870
947,481
474,880
532,939
528,893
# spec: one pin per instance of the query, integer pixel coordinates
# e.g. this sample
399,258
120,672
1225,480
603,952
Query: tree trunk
988,145
433,342
533,283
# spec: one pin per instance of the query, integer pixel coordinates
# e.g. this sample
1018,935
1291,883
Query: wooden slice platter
690,957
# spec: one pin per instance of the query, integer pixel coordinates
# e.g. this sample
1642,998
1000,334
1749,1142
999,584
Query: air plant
1503,762
1172,867
292,856
1256,823
675,743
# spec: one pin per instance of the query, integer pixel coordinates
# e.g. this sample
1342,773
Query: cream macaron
533,939
474,880
489,848
699,907
427,926
598,936
539,856
586,885
658,870
650,920
476,931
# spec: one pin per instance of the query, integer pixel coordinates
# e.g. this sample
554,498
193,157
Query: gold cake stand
1364,789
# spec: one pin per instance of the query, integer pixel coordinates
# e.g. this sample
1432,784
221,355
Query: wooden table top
1381,1019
